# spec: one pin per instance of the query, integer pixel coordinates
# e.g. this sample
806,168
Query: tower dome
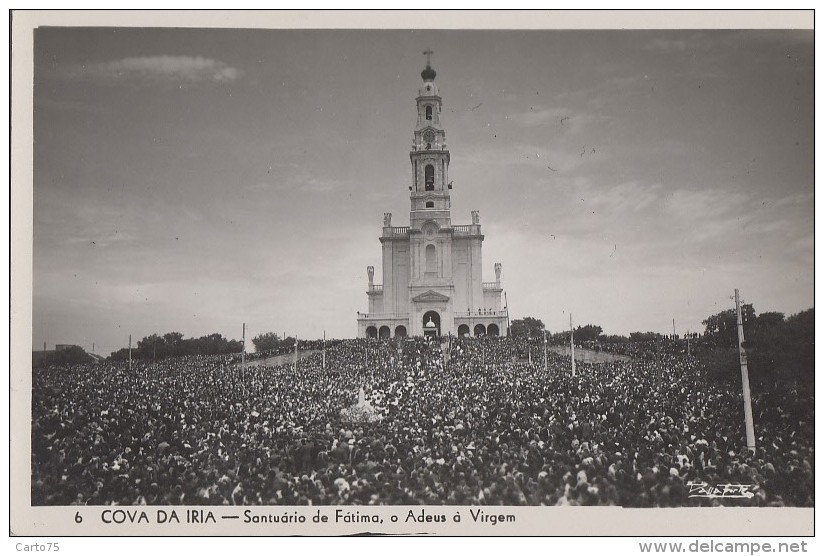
428,74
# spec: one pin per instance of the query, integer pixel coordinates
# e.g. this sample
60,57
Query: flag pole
296,354
130,352
324,350
745,378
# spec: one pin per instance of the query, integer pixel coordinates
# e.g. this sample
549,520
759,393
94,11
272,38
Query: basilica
432,269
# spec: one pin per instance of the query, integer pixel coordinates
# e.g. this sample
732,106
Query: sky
194,179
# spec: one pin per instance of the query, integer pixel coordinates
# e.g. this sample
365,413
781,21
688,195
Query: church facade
432,269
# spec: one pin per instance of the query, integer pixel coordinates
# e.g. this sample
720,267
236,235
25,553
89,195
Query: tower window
429,177
431,262
428,112
430,204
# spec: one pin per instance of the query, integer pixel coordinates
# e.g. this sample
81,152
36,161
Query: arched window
430,204
429,177
428,112
431,263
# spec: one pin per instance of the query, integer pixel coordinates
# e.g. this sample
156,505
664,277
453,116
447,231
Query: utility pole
673,329
296,354
324,350
572,344
688,343
130,352
44,346
545,362
529,348
243,353
508,329
92,347
745,378
506,304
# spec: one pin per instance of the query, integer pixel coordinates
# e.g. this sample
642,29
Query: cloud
103,239
156,68
695,41
540,115
297,182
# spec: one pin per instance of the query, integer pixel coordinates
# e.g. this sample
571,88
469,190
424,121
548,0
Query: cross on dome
428,74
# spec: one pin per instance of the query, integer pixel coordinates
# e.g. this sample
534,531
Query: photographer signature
705,490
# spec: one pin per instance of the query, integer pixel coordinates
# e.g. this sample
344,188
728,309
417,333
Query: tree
72,355
644,336
587,333
152,347
173,344
173,340
266,342
613,339
777,349
783,349
722,328
526,327
769,319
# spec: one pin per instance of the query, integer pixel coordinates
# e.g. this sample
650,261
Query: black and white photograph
374,272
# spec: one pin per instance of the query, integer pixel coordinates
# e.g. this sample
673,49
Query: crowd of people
466,421
286,347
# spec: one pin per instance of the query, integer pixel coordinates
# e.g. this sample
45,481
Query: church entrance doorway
431,324
463,330
480,330
371,332
384,333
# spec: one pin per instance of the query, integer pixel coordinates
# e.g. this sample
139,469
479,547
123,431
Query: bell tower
429,156
432,269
